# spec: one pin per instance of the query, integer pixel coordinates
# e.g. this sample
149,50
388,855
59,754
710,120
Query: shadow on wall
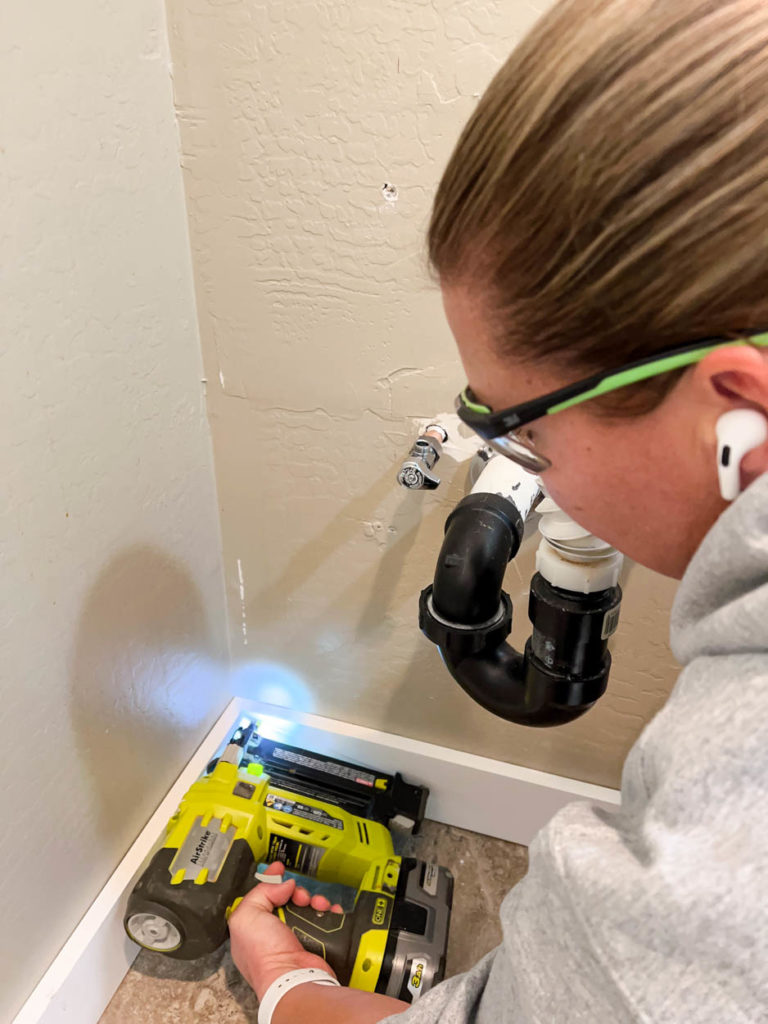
146,680
307,559
369,595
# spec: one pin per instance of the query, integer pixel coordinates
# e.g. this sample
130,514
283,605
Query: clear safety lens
153,932
513,447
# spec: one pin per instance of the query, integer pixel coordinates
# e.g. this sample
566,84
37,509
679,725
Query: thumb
268,895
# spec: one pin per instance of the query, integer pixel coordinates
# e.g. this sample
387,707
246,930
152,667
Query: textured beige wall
113,638
323,340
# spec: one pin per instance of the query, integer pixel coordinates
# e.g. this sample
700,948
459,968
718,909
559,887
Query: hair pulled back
608,198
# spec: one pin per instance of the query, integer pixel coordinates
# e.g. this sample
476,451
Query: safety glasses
501,429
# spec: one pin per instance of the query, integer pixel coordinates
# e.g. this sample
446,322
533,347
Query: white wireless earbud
738,432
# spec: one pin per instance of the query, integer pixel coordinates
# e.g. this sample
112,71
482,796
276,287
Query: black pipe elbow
481,535
565,666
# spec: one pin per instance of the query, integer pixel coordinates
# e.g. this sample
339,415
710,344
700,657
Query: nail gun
262,801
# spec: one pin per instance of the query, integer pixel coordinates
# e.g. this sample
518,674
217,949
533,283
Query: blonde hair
609,195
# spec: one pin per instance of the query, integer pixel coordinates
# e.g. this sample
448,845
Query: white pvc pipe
504,477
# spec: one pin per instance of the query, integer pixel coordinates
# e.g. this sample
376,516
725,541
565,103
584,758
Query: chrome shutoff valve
416,472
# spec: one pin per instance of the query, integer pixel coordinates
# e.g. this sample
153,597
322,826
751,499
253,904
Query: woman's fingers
301,896
318,902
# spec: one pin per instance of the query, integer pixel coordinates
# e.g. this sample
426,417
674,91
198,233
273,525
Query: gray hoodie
657,911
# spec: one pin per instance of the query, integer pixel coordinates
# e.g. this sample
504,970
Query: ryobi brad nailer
327,819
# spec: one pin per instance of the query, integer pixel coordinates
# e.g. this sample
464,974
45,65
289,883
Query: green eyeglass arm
474,406
615,381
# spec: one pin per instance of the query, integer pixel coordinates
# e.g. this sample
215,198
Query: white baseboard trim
466,790
477,793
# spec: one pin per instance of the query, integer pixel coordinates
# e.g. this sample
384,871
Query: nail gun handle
329,935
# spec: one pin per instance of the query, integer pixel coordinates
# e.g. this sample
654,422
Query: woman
608,203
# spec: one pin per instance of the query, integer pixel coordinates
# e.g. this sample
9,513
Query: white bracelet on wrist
285,983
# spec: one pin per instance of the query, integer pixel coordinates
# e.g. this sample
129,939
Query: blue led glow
267,682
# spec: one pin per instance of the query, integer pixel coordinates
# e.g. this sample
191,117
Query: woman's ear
733,377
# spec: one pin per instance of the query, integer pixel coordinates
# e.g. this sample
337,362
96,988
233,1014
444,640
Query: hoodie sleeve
551,967
653,912
453,1001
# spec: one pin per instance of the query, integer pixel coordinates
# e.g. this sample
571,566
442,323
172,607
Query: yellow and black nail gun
262,801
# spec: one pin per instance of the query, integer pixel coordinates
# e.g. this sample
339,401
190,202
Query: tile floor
162,991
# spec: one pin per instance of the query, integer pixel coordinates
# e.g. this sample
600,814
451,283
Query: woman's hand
264,948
